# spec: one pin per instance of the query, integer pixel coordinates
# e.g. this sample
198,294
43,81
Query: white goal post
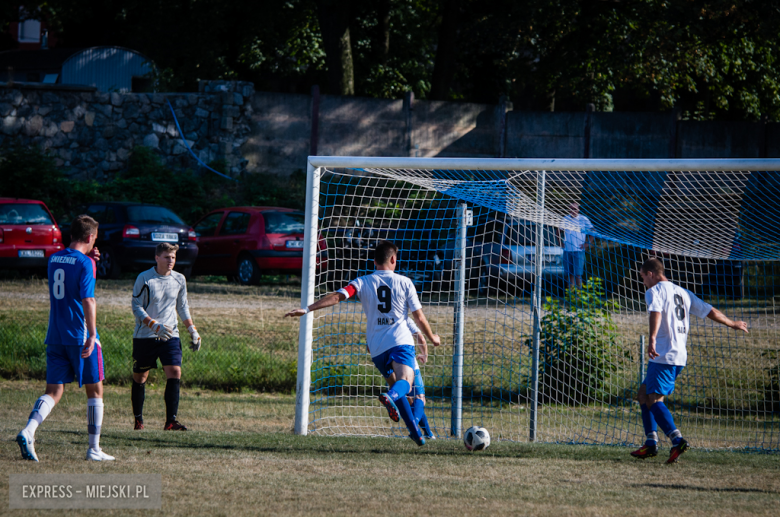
524,354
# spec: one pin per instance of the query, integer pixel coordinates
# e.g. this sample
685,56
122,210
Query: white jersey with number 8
675,305
387,299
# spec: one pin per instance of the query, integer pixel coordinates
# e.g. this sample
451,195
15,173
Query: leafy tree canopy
712,59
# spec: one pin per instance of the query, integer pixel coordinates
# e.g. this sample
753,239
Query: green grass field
724,398
240,458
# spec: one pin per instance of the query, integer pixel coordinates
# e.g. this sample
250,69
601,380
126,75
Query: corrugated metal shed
110,69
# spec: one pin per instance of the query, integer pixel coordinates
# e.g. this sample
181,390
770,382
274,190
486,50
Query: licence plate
298,245
165,237
31,254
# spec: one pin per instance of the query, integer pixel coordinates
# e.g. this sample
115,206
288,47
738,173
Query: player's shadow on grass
705,489
289,444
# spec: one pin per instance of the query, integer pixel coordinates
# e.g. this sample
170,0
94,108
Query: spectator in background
575,245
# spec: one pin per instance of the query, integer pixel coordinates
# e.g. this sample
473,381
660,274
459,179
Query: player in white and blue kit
73,349
669,308
387,298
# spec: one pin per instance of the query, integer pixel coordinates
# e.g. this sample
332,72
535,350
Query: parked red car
29,235
245,242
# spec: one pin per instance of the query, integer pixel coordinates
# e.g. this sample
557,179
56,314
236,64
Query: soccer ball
476,438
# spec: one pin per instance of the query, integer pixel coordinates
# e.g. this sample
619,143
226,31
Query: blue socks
399,391
650,426
665,422
398,394
419,410
405,411
419,414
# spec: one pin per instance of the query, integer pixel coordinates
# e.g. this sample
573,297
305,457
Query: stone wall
93,133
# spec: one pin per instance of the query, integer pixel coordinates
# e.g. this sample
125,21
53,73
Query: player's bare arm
329,300
90,317
422,322
719,317
422,357
655,325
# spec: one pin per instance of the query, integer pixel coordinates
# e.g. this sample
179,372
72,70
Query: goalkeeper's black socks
138,394
172,399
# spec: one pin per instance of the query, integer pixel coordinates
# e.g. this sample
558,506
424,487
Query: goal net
541,343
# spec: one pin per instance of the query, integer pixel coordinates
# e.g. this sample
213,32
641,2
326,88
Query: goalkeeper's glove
163,332
195,345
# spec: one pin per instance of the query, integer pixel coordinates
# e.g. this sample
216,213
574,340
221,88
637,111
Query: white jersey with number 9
387,299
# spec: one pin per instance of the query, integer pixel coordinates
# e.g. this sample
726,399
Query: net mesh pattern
717,233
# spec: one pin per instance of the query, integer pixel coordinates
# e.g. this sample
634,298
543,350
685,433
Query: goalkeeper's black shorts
147,351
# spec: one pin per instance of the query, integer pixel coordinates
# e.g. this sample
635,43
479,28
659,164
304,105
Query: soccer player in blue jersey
669,308
73,349
387,298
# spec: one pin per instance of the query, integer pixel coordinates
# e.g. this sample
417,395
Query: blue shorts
146,352
574,262
660,378
419,387
64,364
403,354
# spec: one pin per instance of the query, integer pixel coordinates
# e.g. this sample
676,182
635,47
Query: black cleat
139,424
174,426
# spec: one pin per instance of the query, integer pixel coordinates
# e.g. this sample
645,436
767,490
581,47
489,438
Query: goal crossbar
550,164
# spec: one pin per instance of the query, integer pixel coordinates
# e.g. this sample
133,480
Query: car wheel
108,266
187,272
248,272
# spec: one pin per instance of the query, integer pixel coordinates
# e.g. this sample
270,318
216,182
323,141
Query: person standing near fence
159,293
575,244
669,308
73,348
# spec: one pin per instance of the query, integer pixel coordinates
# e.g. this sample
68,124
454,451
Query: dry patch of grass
240,459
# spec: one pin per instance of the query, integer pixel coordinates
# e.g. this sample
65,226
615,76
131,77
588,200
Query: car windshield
152,214
284,222
524,234
24,213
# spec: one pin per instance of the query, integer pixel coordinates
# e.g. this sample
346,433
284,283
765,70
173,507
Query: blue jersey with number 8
71,279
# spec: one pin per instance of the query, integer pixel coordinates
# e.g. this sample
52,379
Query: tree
334,16
444,67
713,59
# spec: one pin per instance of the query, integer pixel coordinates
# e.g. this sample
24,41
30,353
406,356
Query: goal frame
315,164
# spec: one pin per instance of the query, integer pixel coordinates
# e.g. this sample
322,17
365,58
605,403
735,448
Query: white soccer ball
476,438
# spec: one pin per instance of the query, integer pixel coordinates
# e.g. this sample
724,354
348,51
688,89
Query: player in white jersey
669,308
387,299
158,295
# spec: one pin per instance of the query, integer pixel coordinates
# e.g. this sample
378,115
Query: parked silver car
509,258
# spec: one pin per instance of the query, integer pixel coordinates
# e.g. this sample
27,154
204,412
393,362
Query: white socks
45,404
41,410
94,421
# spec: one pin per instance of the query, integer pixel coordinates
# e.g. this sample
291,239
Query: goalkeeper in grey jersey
158,295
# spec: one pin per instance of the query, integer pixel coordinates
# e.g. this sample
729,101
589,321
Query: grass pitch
240,458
